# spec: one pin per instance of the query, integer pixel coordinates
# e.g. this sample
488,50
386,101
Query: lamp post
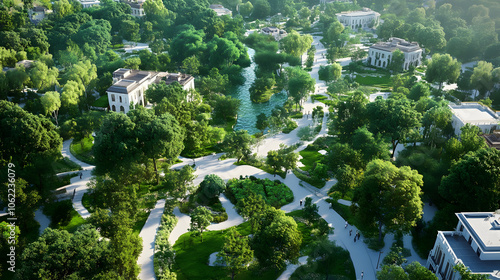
379,254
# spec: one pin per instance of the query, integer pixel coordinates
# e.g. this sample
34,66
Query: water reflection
248,111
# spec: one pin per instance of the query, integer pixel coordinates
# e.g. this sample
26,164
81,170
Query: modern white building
89,3
277,33
474,114
475,243
129,86
380,54
365,18
220,10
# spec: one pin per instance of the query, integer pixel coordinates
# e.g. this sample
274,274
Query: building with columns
380,54
475,243
366,18
129,87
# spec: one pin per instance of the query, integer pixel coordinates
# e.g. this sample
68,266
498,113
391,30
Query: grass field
101,102
82,150
65,165
381,82
309,158
192,255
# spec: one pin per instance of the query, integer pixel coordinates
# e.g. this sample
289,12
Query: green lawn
101,102
82,150
309,158
65,165
382,82
70,220
192,257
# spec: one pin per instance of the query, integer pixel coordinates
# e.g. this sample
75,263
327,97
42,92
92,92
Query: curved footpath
148,235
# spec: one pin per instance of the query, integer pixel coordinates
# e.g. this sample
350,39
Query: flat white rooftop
486,226
474,114
357,13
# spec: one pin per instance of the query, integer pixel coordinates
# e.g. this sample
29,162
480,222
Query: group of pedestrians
357,236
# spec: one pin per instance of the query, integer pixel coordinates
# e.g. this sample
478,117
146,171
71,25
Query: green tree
299,84
474,183
251,207
130,30
278,239
245,9
347,179
179,182
418,272
236,253
370,147
71,95
174,93
443,68
466,274
330,72
397,60
157,136
470,141
396,119
83,72
262,122
310,210
51,104
334,32
284,157
25,136
389,196
187,43
191,65
350,116
392,272
482,78
296,44
261,9
237,144
201,218
419,90
437,126
57,254
125,248
211,187
43,77
115,148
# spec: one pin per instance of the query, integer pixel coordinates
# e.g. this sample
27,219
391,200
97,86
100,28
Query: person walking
301,203
346,224
362,274
350,232
81,175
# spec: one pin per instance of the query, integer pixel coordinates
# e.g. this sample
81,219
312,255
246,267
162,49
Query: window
122,109
461,227
120,99
478,252
113,108
113,97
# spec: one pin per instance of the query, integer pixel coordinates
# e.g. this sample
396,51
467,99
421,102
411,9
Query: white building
129,86
366,18
380,53
220,10
474,114
136,7
277,33
89,3
475,243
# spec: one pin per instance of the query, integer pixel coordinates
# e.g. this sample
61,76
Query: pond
248,111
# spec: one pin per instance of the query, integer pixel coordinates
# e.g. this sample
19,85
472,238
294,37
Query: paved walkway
233,218
77,186
148,235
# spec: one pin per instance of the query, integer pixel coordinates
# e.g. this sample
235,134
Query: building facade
89,3
475,114
220,10
277,33
380,54
129,87
366,18
136,7
475,243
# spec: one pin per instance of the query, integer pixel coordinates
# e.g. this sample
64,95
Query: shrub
274,193
290,125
